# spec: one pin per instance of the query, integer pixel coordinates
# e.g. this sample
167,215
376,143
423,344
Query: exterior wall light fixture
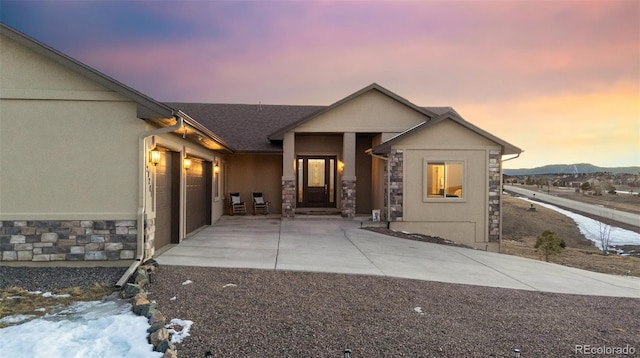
216,168
186,163
155,157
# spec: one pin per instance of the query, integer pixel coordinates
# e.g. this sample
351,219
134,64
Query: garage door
198,194
167,199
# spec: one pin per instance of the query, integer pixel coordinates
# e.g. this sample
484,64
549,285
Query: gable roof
279,134
507,148
148,104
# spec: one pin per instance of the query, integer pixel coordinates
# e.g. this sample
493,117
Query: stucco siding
25,73
471,208
319,144
371,112
260,173
462,219
68,146
446,134
68,159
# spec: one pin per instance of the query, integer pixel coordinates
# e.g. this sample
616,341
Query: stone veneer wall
149,239
68,240
348,198
394,186
288,198
494,195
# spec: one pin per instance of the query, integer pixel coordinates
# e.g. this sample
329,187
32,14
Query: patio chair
259,204
236,205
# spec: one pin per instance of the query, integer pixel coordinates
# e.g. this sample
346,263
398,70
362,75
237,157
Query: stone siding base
68,240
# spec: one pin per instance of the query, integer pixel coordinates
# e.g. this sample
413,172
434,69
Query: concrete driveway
340,246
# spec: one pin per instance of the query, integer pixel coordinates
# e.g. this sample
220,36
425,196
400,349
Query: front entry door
316,182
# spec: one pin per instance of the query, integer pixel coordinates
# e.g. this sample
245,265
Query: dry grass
521,228
16,300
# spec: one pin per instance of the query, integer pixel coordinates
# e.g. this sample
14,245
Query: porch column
348,192
288,175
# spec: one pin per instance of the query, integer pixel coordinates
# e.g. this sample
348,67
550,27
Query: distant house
91,169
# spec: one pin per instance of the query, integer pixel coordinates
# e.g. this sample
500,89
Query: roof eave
205,131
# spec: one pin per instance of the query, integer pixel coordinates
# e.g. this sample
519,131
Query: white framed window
444,180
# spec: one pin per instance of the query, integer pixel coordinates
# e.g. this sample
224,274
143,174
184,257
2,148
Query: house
91,169
76,181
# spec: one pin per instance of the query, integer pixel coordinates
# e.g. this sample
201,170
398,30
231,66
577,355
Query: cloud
556,78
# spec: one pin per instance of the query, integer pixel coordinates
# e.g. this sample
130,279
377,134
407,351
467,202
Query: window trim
425,186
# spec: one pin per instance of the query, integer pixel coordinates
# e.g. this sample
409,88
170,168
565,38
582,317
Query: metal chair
259,204
236,204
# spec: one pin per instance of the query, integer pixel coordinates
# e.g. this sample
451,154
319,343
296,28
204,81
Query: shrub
548,243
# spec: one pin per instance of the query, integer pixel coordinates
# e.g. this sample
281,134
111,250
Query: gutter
516,157
142,195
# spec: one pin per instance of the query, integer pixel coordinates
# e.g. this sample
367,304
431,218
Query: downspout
142,197
501,185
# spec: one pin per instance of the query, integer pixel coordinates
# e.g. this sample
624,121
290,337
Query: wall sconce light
216,168
186,163
155,157
340,165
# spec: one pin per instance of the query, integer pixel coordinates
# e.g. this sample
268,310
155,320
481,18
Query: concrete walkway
340,246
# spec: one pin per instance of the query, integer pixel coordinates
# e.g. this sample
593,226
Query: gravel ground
301,314
56,278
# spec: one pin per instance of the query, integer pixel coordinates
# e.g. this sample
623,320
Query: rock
157,317
130,290
140,278
165,346
155,326
149,268
170,353
140,299
158,336
151,262
145,310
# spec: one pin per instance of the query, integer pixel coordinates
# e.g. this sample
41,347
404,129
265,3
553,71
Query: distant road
608,213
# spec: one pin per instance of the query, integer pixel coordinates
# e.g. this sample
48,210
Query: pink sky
559,79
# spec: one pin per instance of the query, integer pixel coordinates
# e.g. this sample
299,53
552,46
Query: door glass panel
331,179
300,179
316,173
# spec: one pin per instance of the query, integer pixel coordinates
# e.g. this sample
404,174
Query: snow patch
53,295
418,310
590,228
16,318
179,336
84,329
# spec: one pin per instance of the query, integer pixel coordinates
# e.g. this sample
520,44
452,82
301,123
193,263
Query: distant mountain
582,168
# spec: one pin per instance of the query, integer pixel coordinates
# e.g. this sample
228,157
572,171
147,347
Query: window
444,180
218,179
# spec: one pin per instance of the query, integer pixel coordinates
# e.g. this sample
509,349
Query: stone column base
288,198
348,198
